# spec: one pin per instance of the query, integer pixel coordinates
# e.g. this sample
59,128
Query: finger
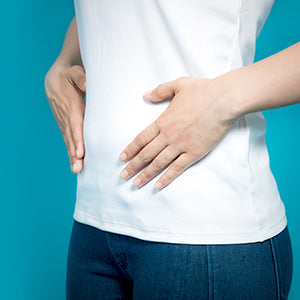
78,77
158,164
176,168
76,125
77,136
139,142
163,90
76,164
63,129
146,155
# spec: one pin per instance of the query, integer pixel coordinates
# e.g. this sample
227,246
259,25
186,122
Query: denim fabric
106,265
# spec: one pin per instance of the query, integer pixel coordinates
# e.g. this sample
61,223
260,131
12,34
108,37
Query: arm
270,83
65,89
203,110
70,52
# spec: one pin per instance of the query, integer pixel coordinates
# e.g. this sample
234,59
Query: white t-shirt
129,47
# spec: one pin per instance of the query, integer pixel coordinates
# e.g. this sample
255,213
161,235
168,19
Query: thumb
162,91
77,75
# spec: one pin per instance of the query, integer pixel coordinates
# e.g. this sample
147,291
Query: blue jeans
106,265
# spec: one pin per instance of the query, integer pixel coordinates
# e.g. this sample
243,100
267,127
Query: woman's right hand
65,89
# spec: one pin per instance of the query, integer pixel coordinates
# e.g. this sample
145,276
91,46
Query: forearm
270,83
70,52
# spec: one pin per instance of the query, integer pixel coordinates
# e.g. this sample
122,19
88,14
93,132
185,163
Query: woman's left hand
198,116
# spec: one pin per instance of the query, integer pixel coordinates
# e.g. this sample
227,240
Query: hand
65,89
196,119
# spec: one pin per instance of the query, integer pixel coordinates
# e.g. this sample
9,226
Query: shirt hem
182,237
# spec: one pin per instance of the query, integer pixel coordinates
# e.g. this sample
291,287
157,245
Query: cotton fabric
129,47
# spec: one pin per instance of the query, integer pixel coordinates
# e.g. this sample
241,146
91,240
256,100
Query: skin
200,112
65,89
194,122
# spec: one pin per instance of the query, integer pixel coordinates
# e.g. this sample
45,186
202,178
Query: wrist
242,90
229,87
67,62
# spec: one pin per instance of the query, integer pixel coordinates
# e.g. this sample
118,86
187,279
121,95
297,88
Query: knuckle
178,167
183,80
169,156
74,74
74,69
144,156
69,72
159,88
154,128
139,140
168,135
157,165
146,175
168,176
194,153
158,124
75,126
130,169
165,87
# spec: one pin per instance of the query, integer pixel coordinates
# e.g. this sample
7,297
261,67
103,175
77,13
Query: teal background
38,188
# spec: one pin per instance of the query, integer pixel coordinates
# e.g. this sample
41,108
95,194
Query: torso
129,47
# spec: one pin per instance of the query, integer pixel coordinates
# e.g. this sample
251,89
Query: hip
261,270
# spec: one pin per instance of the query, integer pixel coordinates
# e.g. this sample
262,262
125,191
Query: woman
214,225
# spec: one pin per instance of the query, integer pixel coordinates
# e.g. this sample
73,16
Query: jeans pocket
283,262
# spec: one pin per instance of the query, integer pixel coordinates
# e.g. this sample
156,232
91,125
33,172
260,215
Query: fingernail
148,94
123,156
74,166
158,185
124,174
137,182
77,152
